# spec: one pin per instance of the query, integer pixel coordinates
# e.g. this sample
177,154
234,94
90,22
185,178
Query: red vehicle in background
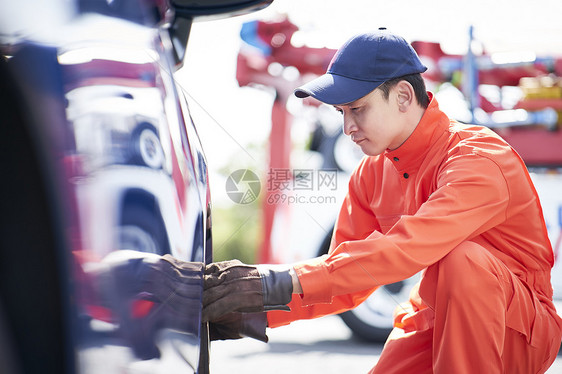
517,95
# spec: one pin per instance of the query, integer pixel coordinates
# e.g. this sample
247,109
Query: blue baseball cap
362,64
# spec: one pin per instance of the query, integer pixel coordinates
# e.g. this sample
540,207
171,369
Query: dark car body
99,154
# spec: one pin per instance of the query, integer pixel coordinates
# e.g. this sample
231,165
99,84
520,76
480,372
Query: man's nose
348,126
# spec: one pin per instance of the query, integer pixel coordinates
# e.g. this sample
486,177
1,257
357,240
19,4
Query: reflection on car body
134,180
132,148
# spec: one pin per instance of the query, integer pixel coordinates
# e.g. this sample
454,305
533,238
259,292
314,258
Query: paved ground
323,346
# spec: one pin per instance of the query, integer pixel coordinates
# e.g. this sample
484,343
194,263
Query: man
452,201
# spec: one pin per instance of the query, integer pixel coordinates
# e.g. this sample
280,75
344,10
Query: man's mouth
357,140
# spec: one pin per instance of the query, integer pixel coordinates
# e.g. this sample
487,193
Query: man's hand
232,286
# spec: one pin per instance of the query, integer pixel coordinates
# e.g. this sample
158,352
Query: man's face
374,123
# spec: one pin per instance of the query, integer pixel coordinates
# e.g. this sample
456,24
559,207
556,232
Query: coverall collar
411,154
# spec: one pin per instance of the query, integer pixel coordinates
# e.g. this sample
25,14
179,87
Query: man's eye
339,111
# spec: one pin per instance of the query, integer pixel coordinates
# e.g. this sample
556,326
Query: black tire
34,326
363,330
373,324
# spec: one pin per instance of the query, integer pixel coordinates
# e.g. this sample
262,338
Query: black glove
231,286
146,293
238,326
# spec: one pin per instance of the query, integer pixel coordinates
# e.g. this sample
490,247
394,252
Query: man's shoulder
466,131
468,143
475,137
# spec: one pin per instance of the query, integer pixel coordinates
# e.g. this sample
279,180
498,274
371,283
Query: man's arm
471,198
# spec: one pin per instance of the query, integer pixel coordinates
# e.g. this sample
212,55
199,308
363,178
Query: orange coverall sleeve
470,197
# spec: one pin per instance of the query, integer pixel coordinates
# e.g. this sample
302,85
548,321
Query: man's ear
405,95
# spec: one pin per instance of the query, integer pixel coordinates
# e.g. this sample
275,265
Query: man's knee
464,253
466,267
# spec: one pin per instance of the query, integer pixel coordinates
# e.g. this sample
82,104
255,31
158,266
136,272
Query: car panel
90,164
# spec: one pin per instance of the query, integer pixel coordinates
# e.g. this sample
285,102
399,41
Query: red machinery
267,44
532,126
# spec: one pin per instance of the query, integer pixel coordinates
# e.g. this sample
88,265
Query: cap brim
335,89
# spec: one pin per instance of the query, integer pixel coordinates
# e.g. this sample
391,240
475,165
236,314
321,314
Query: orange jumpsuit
455,202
